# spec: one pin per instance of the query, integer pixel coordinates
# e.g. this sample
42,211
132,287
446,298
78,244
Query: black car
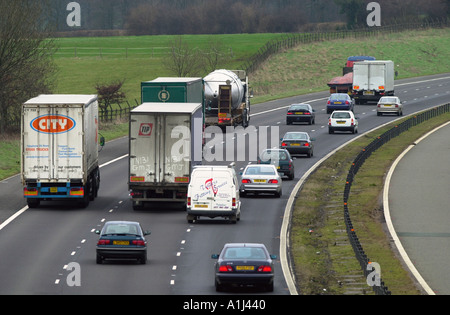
281,159
300,113
244,264
298,142
122,240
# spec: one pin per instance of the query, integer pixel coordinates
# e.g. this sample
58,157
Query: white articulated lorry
372,79
59,148
165,144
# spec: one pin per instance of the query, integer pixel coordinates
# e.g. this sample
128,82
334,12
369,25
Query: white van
213,191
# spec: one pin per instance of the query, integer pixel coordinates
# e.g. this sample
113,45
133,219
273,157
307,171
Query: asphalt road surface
39,246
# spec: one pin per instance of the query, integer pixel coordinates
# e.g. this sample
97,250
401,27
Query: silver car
389,104
260,178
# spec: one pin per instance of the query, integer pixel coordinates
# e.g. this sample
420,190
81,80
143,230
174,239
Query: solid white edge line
11,218
389,223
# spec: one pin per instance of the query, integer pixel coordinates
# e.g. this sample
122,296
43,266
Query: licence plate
387,105
259,180
54,189
200,206
368,93
121,243
340,122
295,144
338,103
245,268
299,113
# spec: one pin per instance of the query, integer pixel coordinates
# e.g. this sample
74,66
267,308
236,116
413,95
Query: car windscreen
244,253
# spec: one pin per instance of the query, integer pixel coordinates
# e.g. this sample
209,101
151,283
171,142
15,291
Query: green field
84,62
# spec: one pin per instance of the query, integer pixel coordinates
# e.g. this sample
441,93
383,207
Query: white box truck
165,144
59,148
372,79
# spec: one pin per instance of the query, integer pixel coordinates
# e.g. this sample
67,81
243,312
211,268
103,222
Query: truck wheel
137,206
84,202
33,202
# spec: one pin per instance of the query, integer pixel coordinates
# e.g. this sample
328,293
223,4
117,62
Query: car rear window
341,115
260,170
269,155
295,136
121,228
338,97
388,100
244,253
299,107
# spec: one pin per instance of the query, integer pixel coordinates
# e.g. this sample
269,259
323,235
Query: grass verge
323,257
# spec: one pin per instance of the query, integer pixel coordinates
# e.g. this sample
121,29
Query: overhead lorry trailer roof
167,108
62,99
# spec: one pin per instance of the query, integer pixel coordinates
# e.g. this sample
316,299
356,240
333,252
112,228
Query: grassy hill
308,68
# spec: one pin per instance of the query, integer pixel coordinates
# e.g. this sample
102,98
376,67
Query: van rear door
212,190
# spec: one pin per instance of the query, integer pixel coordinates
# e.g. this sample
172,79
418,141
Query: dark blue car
340,101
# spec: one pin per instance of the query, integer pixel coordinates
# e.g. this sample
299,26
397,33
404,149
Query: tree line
155,17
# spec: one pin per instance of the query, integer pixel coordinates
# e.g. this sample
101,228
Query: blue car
340,101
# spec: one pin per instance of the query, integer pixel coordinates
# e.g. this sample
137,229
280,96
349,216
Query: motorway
418,202
37,245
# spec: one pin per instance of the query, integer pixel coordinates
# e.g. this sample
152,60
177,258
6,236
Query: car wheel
190,218
99,259
269,287
288,122
143,259
219,288
330,131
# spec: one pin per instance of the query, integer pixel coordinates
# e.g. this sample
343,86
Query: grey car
298,142
389,104
122,240
260,178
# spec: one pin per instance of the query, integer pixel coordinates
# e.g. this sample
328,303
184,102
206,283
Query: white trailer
59,148
372,79
165,144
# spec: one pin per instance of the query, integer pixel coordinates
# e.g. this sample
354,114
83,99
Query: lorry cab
213,191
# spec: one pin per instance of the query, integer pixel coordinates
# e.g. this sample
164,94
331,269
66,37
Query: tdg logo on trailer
53,124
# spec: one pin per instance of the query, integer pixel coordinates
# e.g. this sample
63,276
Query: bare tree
183,60
26,68
109,94
215,55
